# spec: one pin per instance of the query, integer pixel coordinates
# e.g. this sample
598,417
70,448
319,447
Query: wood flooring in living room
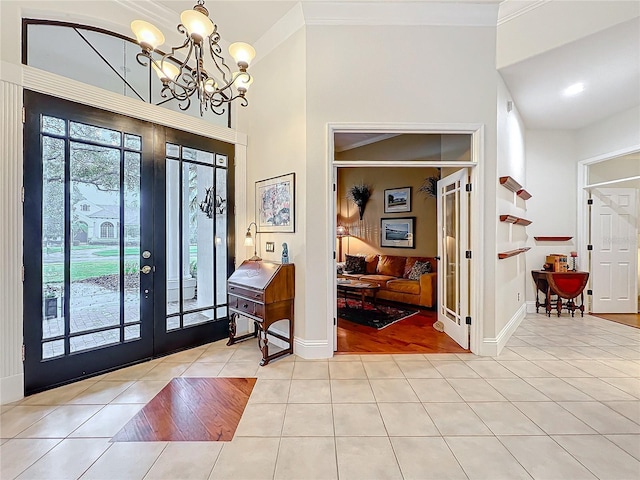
414,334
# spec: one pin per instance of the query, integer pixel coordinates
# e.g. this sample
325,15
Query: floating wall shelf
553,239
511,184
513,253
523,194
514,219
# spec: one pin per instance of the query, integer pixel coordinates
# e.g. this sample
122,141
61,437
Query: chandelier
182,79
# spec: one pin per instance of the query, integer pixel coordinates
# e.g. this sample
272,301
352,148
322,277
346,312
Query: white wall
355,74
551,174
510,277
620,131
276,118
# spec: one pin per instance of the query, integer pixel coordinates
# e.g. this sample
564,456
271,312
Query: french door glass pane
221,240
198,284
451,248
95,251
80,131
53,226
196,237
132,240
173,236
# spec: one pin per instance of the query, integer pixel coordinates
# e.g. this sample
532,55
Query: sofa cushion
419,268
371,263
391,265
380,279
412,260
354,264
404,286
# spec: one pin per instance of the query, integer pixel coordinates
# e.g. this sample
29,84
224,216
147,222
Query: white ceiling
608,62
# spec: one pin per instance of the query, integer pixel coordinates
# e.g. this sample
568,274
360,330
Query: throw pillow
418,269
355,264
391,265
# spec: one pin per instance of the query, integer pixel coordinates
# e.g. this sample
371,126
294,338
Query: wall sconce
341,232
249,242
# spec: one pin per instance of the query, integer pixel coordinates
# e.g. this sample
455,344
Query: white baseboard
493,346
312,349
11,389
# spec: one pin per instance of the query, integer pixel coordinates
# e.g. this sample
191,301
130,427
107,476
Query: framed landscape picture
275,204
397,232
397,200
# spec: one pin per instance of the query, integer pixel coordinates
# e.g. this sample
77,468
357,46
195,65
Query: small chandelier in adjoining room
182,80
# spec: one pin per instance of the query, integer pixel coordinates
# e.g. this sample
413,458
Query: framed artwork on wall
397,232
397,200
275,204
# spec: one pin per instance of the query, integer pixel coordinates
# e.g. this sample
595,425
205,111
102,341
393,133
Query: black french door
125,255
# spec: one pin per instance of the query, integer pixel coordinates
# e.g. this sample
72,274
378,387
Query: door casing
476,209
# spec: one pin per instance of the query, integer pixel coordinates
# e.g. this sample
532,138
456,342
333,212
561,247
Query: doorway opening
608,207
377,307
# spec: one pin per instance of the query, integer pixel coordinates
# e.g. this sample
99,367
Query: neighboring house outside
100,224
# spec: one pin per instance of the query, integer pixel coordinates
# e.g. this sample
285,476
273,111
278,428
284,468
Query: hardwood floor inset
631,319
414,334
191,409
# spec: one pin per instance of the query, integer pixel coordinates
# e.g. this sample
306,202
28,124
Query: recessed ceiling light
574,89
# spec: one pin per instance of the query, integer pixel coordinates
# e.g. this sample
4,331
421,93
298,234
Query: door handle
146,269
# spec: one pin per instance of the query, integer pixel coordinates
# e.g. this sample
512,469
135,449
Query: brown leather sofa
391,273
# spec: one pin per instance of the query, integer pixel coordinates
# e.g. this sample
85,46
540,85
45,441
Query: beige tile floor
562,401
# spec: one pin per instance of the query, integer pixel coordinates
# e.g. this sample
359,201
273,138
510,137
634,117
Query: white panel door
453,269
614,260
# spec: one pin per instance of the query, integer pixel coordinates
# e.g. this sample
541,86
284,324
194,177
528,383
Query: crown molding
510,9
401,13
291,22
153,12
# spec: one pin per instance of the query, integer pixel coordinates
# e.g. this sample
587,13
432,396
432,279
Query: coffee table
358,287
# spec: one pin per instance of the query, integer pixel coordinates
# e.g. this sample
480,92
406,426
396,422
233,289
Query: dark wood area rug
631,319
414,334
191,409
370,315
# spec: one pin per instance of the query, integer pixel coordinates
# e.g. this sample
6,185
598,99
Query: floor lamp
341,232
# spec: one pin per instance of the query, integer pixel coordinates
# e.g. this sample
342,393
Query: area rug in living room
378,316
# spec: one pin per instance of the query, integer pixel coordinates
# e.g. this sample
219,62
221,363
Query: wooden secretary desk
263,292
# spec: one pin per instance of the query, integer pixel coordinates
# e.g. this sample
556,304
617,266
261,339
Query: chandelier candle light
182,80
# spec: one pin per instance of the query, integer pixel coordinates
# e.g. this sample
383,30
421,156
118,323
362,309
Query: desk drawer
247,293
245,306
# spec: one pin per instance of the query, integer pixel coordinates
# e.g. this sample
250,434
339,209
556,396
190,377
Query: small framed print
397,232
397,200
275,204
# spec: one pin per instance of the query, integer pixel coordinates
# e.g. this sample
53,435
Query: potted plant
50,302
359,194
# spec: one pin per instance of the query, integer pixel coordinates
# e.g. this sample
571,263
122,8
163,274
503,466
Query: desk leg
547,302
232,330
559,305
263,344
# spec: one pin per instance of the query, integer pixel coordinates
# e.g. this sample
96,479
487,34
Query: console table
567,285
263,292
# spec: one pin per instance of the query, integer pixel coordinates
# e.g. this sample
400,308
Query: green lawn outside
54,272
